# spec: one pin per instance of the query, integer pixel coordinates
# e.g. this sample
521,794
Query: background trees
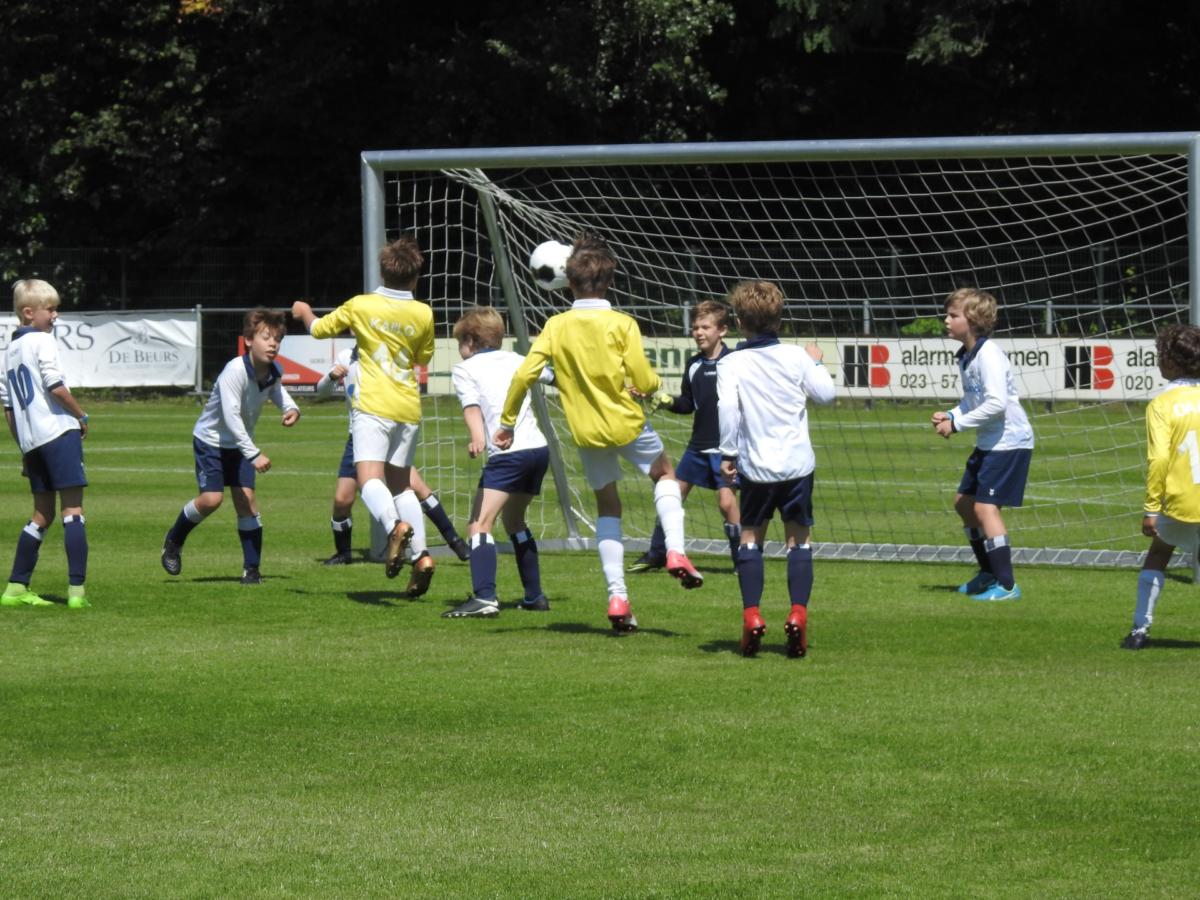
149,124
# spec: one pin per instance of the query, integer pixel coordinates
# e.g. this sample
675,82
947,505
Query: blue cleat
998,592
981,582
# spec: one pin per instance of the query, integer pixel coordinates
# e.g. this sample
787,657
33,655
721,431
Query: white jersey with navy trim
763,389
483,380
990,400
31,372
236,401
347,358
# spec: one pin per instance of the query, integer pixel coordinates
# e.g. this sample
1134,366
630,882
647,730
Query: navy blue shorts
996,476
346,466
57,464
518,472
702,470
220,467
792,498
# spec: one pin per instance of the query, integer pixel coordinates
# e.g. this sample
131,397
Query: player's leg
432,507
728,505
525,550
757,507
76,545
250,530
210,479
341,522
29,546
610,543
483,602
964,505
1150,583
409,532
795,509
647,453
1001,479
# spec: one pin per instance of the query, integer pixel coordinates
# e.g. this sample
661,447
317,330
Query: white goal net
1085,244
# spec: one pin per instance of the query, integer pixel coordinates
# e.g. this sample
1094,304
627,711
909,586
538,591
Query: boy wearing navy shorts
49,426
223,443
998,467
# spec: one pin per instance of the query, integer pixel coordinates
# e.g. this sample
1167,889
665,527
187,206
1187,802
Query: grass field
319,736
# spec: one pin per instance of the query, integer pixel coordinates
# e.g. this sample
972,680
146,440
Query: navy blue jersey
698,394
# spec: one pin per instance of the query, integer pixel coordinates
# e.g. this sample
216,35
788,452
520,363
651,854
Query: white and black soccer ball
548,265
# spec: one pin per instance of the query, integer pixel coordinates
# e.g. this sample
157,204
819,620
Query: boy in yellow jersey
1172,510
597,357
393,332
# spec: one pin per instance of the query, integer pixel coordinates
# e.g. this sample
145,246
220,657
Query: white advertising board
110,350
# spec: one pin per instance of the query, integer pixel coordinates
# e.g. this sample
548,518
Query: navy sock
437,515
342,529
29,544
483,566
75,541
750,574
250,533
975,539
528,566
1000,556
658,541
184,523
733,531
800,574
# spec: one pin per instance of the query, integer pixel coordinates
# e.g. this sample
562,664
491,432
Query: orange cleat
753,629
797,632
681,567
621,615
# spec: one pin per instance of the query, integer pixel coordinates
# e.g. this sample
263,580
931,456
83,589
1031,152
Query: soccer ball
548,265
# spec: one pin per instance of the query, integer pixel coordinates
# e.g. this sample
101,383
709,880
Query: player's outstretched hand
338,372
261,463
300,308
1150,526
291,417
503,438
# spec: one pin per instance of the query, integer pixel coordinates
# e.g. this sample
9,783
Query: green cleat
17,594
76,599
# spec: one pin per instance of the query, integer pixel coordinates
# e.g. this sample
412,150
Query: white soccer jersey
31,371
347,358
483,381
990,401
763,389
235,403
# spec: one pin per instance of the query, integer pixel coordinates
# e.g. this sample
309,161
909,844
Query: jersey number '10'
20,382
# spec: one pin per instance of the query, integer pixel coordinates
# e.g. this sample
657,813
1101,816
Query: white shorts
602,466
381,440
1184,535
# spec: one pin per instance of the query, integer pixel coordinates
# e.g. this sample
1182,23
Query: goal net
1084,243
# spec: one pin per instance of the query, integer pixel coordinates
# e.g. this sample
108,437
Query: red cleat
753,629
621,615
681,567
797,632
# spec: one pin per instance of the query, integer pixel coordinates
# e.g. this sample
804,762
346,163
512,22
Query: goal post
1090,242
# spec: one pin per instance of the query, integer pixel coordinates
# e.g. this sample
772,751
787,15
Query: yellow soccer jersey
394,333
597,355
1173,452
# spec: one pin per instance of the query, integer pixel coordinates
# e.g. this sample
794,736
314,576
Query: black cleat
172,559
474,608
339,559
647,562
1135,640
537,604
251,576
460,548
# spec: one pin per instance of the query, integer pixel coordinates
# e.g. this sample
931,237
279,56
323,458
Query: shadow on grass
229,579
377,598
940,588
1166,644
735,648
583,628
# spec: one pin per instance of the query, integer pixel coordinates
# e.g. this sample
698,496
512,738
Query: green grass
319,736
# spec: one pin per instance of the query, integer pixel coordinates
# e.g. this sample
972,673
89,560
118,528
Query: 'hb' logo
1086,367
863,365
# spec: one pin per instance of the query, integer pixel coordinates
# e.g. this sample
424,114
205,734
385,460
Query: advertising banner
110,350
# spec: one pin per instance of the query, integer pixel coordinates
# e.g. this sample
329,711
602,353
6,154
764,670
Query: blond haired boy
597,356
49,426
998,467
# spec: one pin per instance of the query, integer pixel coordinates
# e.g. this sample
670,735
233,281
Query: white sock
612,554
668,503
1150,585
408,508
378,498
192,513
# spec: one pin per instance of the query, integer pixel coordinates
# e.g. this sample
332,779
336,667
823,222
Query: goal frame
376,164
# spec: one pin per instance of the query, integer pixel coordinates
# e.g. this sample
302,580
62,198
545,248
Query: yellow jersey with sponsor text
1173,451
394,333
